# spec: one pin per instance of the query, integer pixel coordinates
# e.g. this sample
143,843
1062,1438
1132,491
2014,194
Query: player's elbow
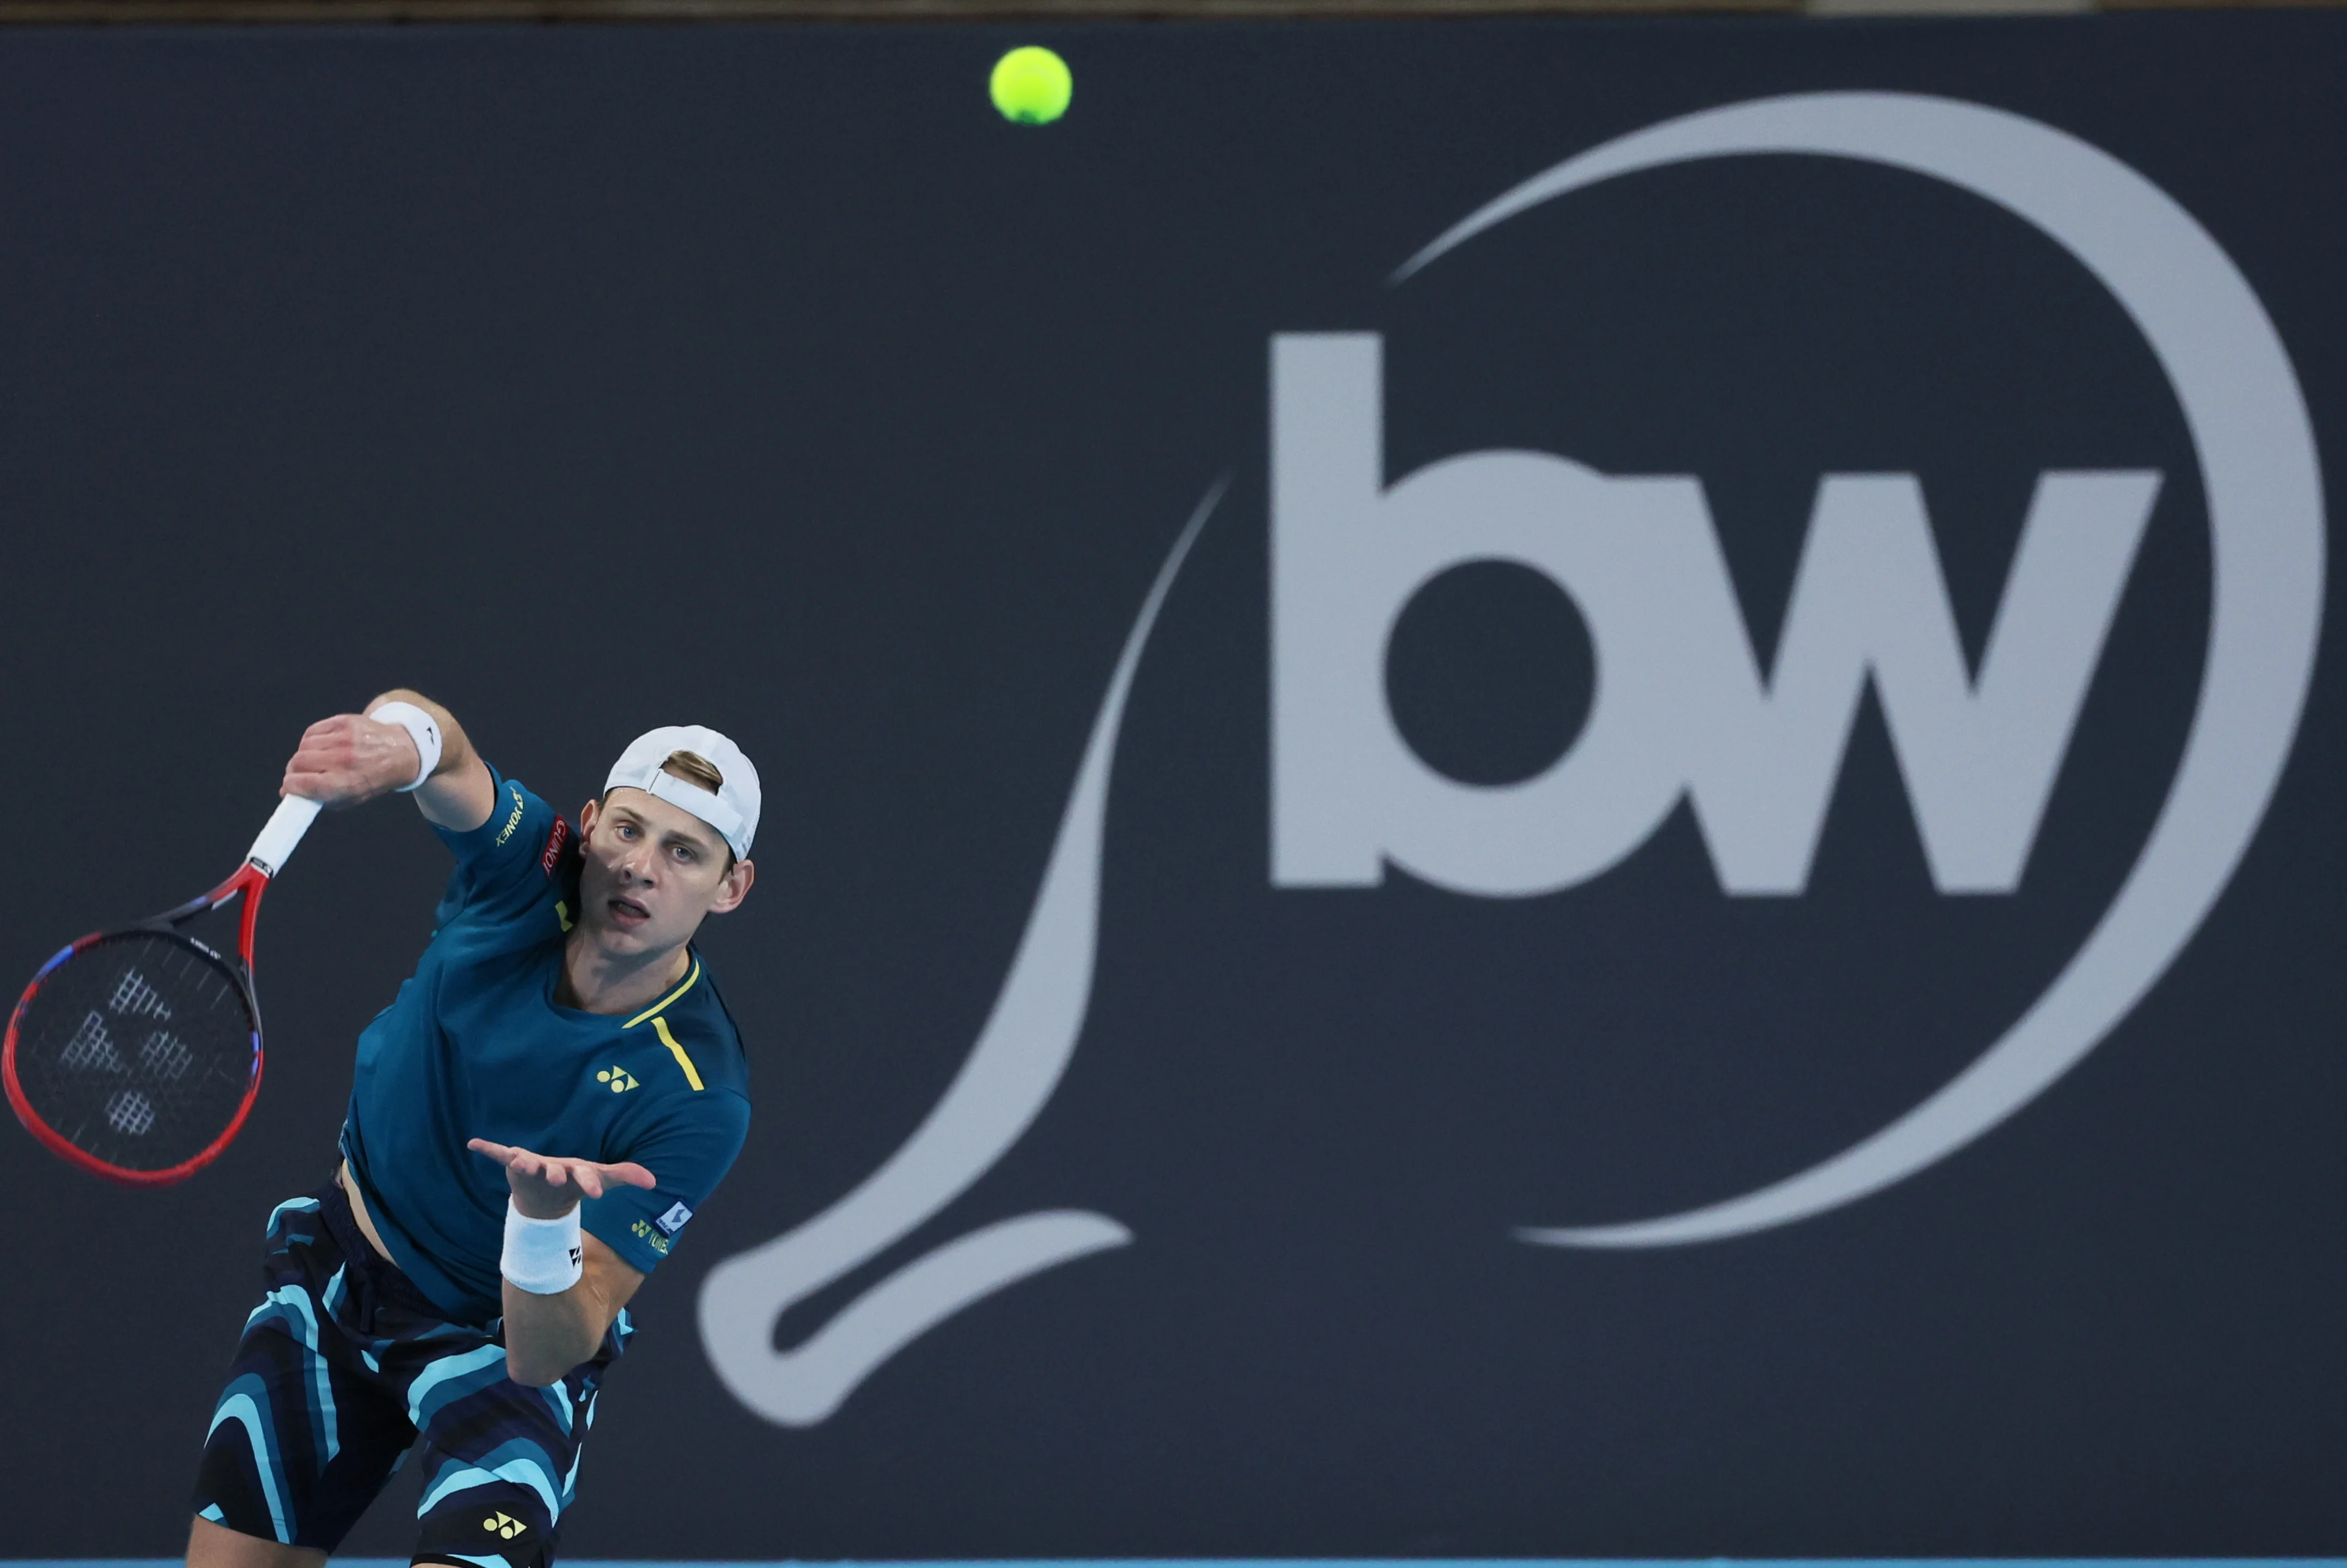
540,1366
543,1358
533,1374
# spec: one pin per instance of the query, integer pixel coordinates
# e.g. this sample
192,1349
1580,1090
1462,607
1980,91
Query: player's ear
587,816
734,889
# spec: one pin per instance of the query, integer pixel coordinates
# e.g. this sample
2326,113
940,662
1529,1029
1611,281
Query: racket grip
286,825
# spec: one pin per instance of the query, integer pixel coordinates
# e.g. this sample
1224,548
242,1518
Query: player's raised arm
404,741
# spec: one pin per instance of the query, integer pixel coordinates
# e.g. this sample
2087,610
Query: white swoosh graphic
1003,1085
2256,450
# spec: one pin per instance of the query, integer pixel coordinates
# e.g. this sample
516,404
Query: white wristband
421,726
545,1257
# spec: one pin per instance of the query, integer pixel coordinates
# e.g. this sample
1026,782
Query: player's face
650,872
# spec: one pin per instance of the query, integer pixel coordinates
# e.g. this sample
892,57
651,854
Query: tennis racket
136,1054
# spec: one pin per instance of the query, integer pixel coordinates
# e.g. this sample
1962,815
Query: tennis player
534,1120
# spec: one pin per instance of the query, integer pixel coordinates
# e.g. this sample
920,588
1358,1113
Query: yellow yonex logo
618,1078
503,1525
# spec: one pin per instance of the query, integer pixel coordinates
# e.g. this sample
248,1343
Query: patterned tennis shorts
343,1366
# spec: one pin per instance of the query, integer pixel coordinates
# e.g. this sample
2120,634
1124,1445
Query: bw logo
618,1078
1684,717
503,1525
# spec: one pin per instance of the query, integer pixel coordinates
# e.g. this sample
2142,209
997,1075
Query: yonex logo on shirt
618,1078
513,818
503,1525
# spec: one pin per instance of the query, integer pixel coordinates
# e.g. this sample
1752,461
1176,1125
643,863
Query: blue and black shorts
343,1366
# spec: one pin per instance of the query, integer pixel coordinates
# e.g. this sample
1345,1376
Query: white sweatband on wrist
545,1257
423,728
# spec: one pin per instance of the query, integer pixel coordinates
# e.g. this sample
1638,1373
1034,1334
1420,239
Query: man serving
534,1120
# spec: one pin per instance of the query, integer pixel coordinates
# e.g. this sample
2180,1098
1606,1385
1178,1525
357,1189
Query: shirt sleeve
688,1154
506,864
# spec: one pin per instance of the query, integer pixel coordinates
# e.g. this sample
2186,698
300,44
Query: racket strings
139,1049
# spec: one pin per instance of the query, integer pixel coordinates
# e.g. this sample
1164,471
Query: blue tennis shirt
476,1046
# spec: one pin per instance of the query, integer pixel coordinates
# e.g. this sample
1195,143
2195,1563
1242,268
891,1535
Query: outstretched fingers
522,1164
519,1161
591,1177
630,1173
595,1179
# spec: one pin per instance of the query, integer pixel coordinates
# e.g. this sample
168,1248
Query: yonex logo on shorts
503,1525
673,1221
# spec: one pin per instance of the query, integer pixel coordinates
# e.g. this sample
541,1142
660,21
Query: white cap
732,811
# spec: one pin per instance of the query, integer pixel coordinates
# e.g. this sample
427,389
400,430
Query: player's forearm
546,1336
460,794
547,1333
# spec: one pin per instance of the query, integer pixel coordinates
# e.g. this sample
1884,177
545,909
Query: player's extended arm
350,759
546,1336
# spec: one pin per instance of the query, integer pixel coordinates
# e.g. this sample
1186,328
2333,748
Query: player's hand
350,759
546,1186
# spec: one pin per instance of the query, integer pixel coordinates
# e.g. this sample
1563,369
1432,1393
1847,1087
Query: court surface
1334,1562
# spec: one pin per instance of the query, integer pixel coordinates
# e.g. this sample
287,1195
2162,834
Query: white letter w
1979,757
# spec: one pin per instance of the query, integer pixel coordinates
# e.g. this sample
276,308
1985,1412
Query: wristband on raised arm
423,728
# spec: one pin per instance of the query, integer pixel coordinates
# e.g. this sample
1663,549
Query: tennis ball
1031,86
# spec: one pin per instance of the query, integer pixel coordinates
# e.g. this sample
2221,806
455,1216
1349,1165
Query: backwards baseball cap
732,811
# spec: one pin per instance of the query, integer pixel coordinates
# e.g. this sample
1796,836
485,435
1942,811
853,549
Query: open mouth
628,912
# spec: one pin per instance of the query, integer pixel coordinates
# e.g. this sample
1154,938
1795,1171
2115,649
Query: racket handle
286,825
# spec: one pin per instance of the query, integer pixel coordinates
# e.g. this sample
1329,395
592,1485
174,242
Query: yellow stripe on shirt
665,1000
676,1051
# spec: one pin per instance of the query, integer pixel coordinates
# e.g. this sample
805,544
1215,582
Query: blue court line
1311,1563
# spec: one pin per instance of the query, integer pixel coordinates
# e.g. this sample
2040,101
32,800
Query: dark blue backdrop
762,377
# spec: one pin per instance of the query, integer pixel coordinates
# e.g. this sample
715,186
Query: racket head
135,1055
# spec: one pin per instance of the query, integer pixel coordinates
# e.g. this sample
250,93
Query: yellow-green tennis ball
1031,86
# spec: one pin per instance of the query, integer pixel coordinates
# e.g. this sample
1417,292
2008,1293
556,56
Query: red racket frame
249,882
